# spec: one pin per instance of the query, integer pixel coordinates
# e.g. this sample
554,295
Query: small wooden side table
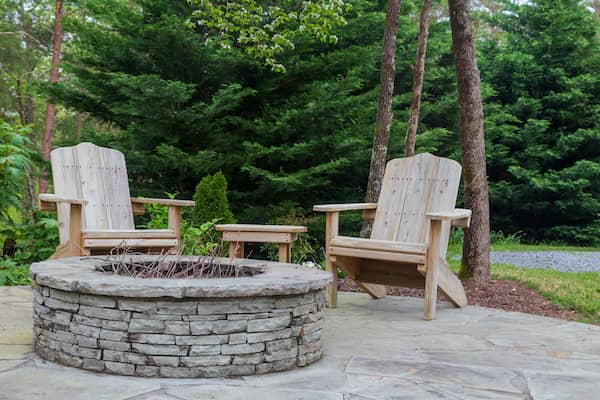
238,234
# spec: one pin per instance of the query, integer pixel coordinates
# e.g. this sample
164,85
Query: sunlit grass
577,291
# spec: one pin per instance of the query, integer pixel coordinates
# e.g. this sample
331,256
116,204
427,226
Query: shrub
211,201
15,162
32,242
198,240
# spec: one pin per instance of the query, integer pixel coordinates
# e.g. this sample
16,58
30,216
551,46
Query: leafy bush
197,240
211,201
306,248
15,162
33,242
12,273
200,241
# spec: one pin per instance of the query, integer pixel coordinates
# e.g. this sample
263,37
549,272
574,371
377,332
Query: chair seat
128,234
413,253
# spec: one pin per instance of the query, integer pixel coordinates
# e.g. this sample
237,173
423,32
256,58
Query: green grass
577,291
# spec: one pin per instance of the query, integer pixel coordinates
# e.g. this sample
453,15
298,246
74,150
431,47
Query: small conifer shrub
211,201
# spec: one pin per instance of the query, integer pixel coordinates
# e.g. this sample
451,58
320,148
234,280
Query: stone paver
373,349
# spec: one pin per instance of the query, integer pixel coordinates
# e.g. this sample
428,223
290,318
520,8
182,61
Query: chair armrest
52,198
164,202
344,207
458,217
48,201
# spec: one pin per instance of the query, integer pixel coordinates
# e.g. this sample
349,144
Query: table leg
285,252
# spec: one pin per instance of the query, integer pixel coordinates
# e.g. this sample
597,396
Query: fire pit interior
263,317
201,267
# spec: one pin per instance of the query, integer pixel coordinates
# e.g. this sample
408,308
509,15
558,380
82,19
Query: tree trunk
79,117
476,247
384,109
50,107
418,74
20,106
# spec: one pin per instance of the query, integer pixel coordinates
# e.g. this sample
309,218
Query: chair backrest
97,175
412,187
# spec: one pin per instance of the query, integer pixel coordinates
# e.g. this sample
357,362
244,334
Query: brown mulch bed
500,294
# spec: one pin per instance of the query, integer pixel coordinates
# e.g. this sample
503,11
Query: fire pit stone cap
80,275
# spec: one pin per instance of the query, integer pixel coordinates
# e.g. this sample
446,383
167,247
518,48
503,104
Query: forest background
134,76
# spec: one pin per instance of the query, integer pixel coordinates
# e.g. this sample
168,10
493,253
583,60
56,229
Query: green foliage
211,201
183,107
306,248
13,273
34,242
15,164
544,132
265,30
197,240
201,240
158,214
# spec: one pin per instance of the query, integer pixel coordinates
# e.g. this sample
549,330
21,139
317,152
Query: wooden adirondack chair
95,212
410,233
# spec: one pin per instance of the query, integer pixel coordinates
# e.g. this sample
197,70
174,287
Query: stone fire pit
99,321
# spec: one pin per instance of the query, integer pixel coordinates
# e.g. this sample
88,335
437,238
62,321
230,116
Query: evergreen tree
544,137
211,201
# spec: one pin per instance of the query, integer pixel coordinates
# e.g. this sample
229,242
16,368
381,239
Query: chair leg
331,231
432,270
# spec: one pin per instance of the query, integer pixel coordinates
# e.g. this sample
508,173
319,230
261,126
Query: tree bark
50,107
384,109
78,127
20,106
476,247
418,74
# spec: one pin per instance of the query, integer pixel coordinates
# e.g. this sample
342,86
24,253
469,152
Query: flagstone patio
373,349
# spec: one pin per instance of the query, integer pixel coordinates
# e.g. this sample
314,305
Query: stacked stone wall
178,338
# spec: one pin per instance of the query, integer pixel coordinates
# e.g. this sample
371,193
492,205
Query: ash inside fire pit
163,267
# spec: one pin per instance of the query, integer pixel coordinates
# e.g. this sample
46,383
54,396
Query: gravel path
564,261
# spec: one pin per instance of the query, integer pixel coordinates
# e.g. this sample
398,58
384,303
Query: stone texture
160,349
69,297
207,350
145,307
60,304
205,361
97,301
114,345
151,338
177,307
268,324
202,340
164,361
201,327
227,327
242,348
375,349
238,338
177,328
154,330
119,368
108,334
269,336
105,313
146,326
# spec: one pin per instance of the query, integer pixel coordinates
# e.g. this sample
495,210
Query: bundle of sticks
123,261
